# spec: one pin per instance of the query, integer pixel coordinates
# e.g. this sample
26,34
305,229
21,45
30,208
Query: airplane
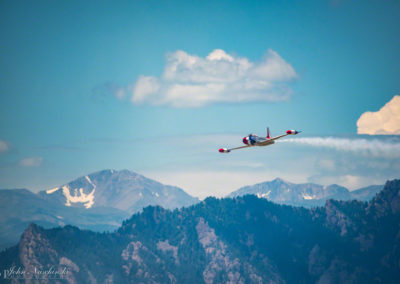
254,140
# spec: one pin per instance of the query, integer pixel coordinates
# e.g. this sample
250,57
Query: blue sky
70,70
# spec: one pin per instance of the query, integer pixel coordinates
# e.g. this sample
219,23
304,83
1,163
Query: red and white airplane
254,140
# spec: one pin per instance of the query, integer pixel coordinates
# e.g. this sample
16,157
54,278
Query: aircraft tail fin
268,135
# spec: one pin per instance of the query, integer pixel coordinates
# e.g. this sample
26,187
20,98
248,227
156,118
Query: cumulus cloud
384,121
193,81
3,146
31,162
375,147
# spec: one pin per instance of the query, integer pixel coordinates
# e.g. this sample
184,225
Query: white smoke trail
374,147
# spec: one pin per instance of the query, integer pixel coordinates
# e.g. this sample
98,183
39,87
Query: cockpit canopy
251,139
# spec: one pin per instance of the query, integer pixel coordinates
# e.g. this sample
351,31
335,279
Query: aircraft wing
225,150
289,132
277,137
238,148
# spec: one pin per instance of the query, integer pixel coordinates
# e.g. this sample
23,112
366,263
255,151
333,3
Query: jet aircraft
254,140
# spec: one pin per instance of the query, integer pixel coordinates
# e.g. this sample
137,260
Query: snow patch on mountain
88,199
264,195
308,197
50,191
78,196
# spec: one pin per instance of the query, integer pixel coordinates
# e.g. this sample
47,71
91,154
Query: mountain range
306,194
103,199
99,201
231,240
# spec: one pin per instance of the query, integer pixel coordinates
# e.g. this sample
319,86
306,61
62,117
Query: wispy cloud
31,162
384,121
3,146
104,90
374,147
193,81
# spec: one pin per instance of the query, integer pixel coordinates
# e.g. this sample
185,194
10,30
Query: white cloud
384,121
145,86
3,146
31,162
193,81
375,147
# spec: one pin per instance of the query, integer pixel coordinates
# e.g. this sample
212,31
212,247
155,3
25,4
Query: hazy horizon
159,87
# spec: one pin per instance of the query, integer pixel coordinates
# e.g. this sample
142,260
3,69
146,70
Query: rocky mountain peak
34,246
388,200
336,218
278,181
124,190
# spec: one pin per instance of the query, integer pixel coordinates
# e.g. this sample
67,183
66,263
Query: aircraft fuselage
254,140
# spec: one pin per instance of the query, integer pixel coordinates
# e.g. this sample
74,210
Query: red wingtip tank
292,132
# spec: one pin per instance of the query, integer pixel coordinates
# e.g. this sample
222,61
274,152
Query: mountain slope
20,207
98,201
241,240
366,193
307,194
